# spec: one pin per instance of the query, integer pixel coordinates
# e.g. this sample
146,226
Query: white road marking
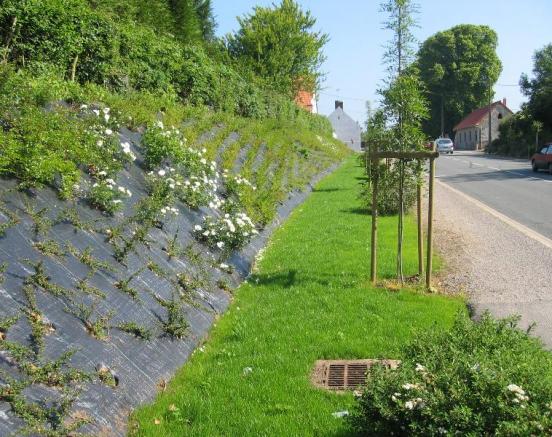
514,224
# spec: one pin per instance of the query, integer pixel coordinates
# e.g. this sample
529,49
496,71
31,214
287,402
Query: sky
354,69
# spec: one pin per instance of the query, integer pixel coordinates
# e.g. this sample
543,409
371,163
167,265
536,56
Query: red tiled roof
476,116
304,100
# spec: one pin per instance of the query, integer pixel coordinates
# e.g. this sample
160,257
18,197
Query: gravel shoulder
499,268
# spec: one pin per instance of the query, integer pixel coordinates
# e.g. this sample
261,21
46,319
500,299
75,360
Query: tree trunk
8,40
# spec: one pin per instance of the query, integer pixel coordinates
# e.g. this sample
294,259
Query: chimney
504,101
338,104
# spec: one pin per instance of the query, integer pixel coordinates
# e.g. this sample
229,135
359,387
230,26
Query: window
470,136
543,151
499,116
549,150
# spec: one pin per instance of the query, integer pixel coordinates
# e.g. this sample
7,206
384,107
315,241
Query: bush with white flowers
104,126
226,233
193,190
485,378
105,194
162,144
237,185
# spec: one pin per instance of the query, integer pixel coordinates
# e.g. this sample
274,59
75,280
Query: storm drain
345,374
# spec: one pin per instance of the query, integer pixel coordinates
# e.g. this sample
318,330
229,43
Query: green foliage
518,135
459,65
401,20
388,190
45,34
539,87
523,133
484,378
278,44
403,110
135,329
187,24
175,324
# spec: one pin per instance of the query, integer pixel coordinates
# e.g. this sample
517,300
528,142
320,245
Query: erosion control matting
127,370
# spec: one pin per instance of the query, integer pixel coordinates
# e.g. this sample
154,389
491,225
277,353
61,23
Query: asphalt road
507,185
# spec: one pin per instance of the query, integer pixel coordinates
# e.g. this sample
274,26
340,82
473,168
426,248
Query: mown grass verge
309,299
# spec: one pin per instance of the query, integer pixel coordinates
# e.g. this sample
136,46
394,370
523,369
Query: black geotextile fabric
139,366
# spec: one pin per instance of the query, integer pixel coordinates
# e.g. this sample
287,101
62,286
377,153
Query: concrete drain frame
342,375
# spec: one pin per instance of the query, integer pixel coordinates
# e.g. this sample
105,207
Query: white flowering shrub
226,233
193,190
237,185
105,194
484,378
104,127
161,144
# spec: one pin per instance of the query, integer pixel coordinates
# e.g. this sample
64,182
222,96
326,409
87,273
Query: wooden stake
430,224
420,231
74,68
373,251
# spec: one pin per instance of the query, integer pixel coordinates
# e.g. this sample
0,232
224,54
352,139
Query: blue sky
354,69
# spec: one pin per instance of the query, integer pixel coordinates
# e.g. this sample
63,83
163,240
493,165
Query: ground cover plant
308,299
484,378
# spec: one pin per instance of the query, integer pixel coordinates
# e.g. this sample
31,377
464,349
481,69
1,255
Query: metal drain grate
345,374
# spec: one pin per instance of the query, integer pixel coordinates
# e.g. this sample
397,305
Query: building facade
345,128
307,101
472,133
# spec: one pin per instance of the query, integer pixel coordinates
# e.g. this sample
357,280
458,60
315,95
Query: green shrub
388,191
484,378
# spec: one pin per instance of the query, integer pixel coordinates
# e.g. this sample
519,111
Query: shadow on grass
357,210
326,190
291,278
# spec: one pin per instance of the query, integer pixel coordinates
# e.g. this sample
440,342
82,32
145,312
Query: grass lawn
309,299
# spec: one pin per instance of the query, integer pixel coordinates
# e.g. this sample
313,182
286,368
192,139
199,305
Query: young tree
404,108
457,67
279,45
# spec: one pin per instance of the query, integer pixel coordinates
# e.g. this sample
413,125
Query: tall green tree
206,17
539,88
458,67
278,43
187,24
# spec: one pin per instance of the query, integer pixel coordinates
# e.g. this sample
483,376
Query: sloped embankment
105,294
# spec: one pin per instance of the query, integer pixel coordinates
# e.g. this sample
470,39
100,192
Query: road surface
507,185
495,228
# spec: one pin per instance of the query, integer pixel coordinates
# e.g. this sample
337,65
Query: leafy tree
539,88
186,19
278,44
522,134
457,67
207,23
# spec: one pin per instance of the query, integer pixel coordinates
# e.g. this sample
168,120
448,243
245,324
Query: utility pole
442,116
490,119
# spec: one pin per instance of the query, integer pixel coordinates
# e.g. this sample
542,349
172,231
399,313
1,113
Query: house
345,128
307,101
472,133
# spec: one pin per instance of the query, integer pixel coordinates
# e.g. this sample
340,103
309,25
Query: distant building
472,133
345,128
307,101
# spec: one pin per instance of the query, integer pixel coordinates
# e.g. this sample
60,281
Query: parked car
543,159
444,145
